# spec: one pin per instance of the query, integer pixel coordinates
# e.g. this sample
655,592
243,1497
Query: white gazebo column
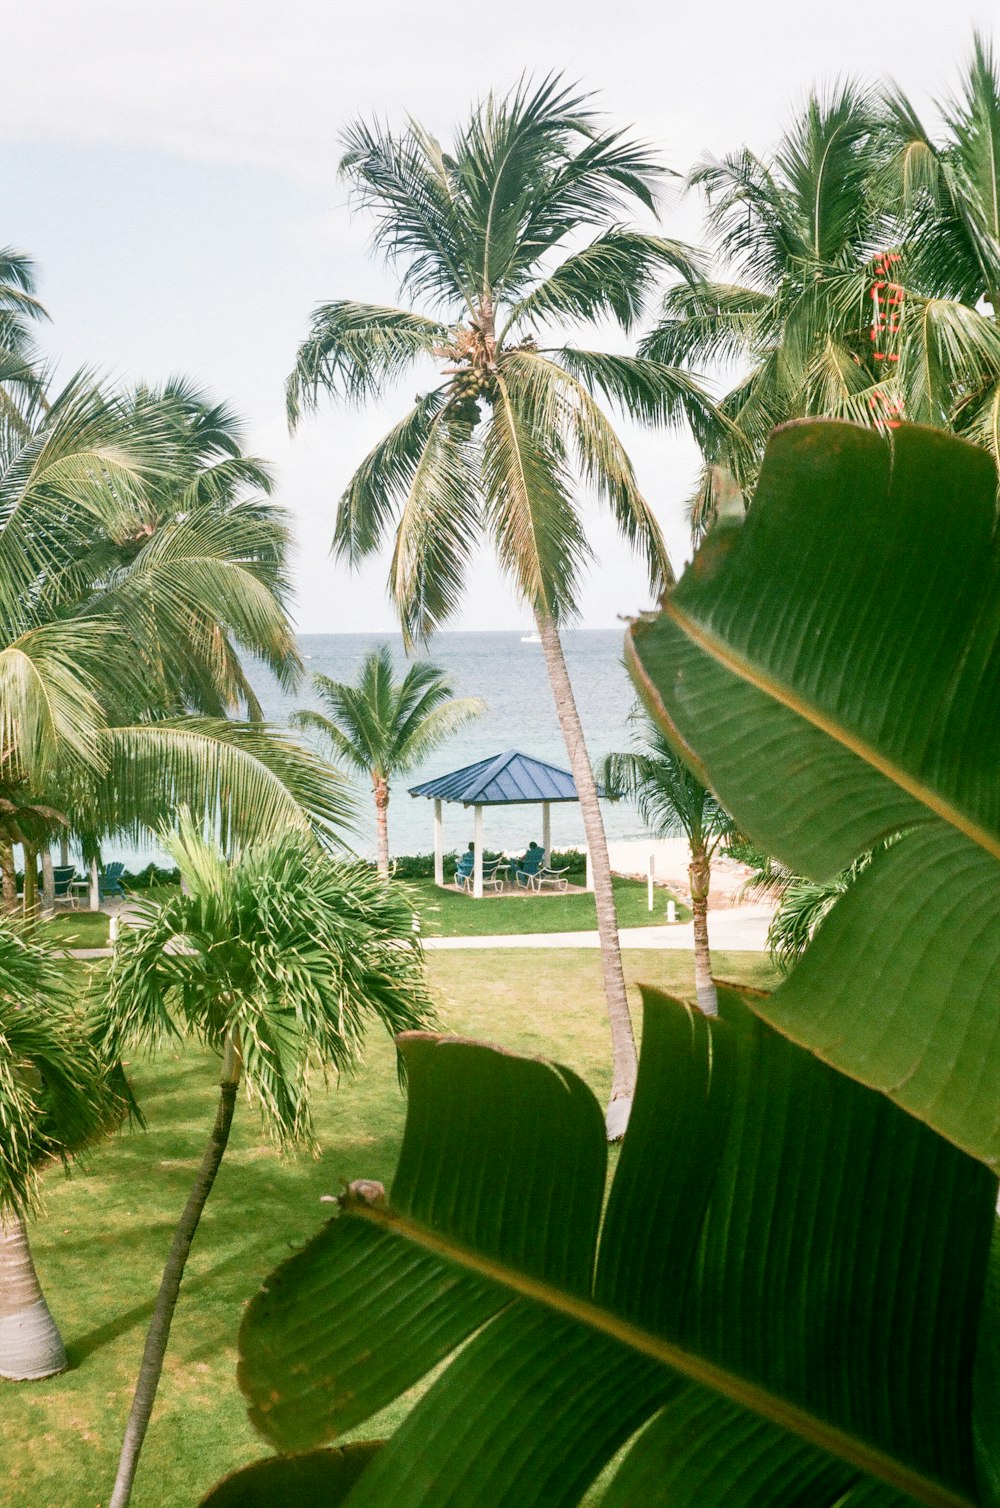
590,872
477,863
438,844
546,833
64,851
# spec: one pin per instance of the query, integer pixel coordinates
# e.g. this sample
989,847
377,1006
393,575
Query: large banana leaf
780,1304
832,668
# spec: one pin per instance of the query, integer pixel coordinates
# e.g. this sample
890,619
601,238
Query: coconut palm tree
943,200
139,555
382,727
791,316
278,962
672,802
55,1096
506,240
22,382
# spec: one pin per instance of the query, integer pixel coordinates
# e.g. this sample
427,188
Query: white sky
170,165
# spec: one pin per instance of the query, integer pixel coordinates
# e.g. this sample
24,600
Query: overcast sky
170,165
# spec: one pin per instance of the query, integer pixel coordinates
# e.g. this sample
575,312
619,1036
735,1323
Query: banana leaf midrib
696,1368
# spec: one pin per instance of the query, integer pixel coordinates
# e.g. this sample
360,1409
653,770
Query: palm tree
795,233
382,727
803,903
54,1097
278,962
672,801
943,200
21,380
139,555
487,237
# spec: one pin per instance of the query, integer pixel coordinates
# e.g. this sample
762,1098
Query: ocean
509,675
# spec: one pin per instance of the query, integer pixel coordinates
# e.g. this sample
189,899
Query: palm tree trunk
30,1343
48,881
381,787
623,1055
9,875
30,882
173,1272
700,874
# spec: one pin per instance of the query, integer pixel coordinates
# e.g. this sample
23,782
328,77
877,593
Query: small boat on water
530,639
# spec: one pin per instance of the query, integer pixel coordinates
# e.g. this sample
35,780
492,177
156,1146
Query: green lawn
102,1238
77,929
452,913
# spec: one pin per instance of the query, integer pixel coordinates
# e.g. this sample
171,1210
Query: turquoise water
509,675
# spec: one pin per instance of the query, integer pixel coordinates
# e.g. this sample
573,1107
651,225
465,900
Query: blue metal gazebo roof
504,780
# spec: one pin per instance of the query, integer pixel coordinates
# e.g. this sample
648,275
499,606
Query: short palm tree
672,802
278,962
508,239
55,1096
795,232
382,727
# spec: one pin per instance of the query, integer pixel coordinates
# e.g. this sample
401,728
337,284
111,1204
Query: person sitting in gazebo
525,869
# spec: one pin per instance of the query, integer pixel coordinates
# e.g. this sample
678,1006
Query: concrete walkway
739,929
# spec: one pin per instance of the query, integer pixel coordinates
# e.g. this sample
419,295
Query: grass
101,1241
77,929
452,913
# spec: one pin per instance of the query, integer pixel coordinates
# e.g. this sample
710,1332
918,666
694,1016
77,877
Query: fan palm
795,233
278,962
506,239
673,802
54,1097
382,727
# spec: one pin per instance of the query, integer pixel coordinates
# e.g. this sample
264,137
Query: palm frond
705,321
378,489
669,797
555,399
55,1094
50,711
649,392
529,510
613,276
407,185
354,350
243,780
439,523
285,950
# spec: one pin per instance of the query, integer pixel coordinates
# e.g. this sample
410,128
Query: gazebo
508,779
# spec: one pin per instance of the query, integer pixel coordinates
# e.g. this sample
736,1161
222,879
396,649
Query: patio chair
109,882
554,877
527,868
63,876
463,871
495,872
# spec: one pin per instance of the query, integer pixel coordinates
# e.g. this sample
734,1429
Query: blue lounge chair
527,868
109,882
63,876
463,871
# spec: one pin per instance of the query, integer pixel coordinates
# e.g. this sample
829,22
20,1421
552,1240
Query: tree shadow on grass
83,1346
